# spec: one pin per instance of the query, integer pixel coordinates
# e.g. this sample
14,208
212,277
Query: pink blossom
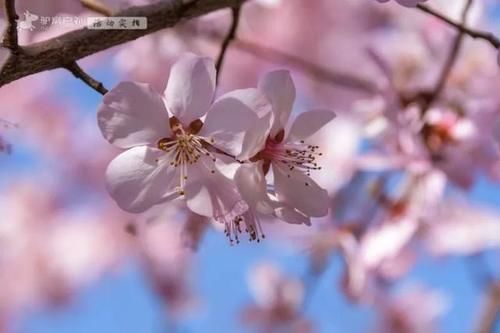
51,251
165,258
382,252
459,123
340,141
270,3
278,300
299,197
405,312
462,229
172,157
435,141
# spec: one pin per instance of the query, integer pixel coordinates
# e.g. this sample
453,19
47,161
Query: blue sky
124,302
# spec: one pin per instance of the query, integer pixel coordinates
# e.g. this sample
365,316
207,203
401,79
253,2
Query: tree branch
97,7
231,35
10,36
72,46
450,61
78,72
476,34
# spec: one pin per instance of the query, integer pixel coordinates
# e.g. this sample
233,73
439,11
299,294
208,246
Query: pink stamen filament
294,155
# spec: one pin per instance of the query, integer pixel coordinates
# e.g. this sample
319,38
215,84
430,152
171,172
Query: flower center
183,149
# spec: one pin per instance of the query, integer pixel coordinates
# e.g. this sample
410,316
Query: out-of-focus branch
231,35
315,71
97,7
72,46
484,35
10,36
79,73
311,69
450,61
491,310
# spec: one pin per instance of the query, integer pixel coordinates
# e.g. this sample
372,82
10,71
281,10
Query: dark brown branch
484,35
10,36
231,35
75,45
79,73
97,7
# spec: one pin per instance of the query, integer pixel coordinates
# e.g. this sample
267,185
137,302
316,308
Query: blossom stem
450,61
78,72
476,34
231,35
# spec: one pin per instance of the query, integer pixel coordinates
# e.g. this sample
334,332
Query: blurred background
411,243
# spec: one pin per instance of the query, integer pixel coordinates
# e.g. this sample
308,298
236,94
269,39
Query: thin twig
477,34
10,40
450,61
97,7
231,35
78,72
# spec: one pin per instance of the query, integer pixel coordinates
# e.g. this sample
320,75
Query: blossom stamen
293,156
233,228
183,150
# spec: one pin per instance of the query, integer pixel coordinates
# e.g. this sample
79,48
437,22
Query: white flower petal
300,192
255,138
279,88
308,123
385,241
212,194
190,87
231,116
251,183
463,230
292,216
133,114
137,181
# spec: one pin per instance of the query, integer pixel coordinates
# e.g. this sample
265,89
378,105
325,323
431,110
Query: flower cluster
175,143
